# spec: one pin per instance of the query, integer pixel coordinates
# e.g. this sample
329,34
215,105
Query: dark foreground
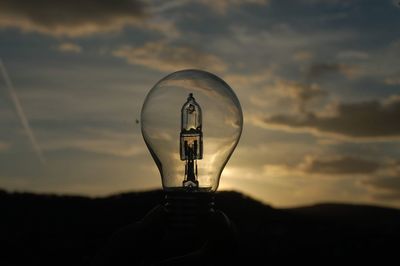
60,230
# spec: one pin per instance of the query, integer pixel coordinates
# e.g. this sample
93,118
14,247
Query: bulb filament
191,141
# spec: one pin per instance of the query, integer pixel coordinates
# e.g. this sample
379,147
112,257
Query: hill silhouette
68,230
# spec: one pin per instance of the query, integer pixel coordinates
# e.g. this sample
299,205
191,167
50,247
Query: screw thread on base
187,214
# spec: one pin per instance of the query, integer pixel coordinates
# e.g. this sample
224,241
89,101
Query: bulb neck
187,209
188,215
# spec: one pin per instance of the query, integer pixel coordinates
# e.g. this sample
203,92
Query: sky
318,82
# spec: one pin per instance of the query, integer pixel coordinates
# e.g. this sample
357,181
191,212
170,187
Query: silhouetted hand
150,242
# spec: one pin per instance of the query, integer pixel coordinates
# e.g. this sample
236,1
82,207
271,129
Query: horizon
246,196
318,82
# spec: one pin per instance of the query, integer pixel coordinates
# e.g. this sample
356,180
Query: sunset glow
318,82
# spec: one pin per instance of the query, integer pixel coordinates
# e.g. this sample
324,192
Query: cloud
326,166
297,96
302,56
161,56
339,166
362,120
302,93
68,47
97,141
249,80
330,2
283,45
99,146
394,80
4,146
353,55
320,69
71,18
386,184
222,6
384,188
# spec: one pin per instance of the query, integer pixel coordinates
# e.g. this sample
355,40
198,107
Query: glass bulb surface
191,122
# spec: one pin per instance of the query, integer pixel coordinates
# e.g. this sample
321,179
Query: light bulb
191,122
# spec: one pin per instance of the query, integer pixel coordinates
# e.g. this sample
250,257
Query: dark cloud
303,94
307,93
318,70
340,166
325,1
70,18
372,119
384,188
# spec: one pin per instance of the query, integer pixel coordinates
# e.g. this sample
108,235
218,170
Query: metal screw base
188,217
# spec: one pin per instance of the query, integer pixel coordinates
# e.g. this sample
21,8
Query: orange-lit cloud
302,56
164,57
274,93
249,80
222,6
4,146
302,94
68,47
393,80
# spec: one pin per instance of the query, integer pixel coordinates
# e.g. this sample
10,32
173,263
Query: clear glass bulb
191,122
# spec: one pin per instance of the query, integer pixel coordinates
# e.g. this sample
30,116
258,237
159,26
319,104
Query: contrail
21,113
